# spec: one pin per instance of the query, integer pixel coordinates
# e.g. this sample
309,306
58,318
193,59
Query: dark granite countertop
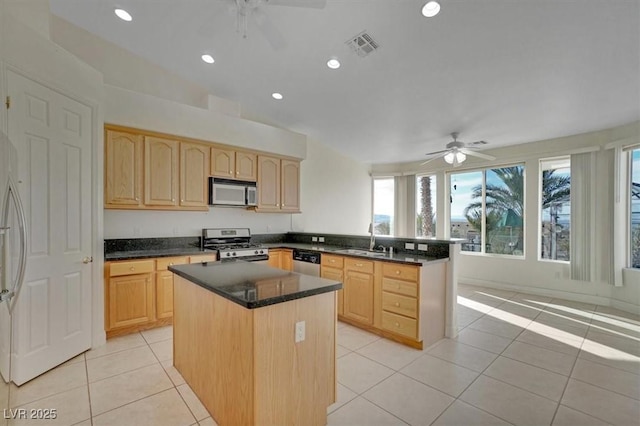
157,252
397,257
254,285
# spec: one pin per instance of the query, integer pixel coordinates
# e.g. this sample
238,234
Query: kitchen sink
362,252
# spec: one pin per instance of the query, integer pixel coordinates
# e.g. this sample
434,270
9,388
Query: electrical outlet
423,247
409,246
321,239
300,331
314,239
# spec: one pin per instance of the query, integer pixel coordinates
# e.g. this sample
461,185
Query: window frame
483,231
392,224
628,206
539,233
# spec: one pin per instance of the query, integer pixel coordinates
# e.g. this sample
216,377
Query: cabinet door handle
137,198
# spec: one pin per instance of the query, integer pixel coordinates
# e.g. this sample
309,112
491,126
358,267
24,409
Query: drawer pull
170,263
132,269
397,303
359,265
332,260
398,324
397,272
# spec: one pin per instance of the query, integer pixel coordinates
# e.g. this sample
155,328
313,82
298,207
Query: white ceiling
504,71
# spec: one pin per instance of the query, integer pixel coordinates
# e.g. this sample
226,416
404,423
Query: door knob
87,259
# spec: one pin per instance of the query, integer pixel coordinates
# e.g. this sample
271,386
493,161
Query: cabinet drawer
163,264
203,258
332,261
400,325
403,305
406,288
131,267
403,272
365,266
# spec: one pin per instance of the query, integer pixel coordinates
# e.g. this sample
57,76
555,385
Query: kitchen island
256,344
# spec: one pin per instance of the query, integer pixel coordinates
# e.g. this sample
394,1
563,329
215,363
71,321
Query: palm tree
426,208
508,197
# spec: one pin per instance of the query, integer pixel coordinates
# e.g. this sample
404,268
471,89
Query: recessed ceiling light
208,58
123,14
333,63
431,9
277,95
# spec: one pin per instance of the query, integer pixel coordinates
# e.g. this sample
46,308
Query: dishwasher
306,262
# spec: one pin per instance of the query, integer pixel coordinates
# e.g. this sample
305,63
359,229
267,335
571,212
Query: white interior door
52,315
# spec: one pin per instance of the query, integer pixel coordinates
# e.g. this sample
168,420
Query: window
634,209
487,209
383,205
555,203
426,197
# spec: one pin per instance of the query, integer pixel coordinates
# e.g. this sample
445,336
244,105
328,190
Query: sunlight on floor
579,342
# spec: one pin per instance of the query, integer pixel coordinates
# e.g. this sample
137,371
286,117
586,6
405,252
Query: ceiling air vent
363,44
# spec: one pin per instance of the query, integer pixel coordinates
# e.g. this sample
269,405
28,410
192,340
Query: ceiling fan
253,9
457,151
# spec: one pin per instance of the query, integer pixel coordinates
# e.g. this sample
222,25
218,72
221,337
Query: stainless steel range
233,244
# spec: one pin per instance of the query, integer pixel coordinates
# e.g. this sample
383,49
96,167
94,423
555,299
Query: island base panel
244,364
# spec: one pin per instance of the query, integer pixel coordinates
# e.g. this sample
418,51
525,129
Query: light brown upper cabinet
290,195
194,172
278,184
231,164
161,175
123,169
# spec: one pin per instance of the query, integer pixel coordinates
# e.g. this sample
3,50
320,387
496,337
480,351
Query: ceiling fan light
123,14
460,157
277,96
449,157
431,9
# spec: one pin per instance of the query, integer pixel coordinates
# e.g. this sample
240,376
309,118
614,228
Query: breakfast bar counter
256,344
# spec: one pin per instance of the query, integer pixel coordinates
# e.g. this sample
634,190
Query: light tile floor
519,359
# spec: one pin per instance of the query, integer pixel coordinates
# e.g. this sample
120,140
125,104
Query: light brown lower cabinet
281,259
139,293
131,300
358,296
403,302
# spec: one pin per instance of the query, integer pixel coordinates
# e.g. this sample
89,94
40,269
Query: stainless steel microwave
227,192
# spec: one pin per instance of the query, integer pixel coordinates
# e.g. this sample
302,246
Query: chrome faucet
372,243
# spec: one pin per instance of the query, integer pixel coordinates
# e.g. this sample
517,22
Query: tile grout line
86,372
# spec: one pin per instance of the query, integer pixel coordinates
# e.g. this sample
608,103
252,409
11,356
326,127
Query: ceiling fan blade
269,30
430,160
312,4
477,143
477,154
437,152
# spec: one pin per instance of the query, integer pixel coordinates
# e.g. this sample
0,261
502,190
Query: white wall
336,193
529,274
134,224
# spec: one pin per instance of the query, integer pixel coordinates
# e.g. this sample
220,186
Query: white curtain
583,187
405,206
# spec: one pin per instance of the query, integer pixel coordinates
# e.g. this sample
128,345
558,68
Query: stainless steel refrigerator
13,250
